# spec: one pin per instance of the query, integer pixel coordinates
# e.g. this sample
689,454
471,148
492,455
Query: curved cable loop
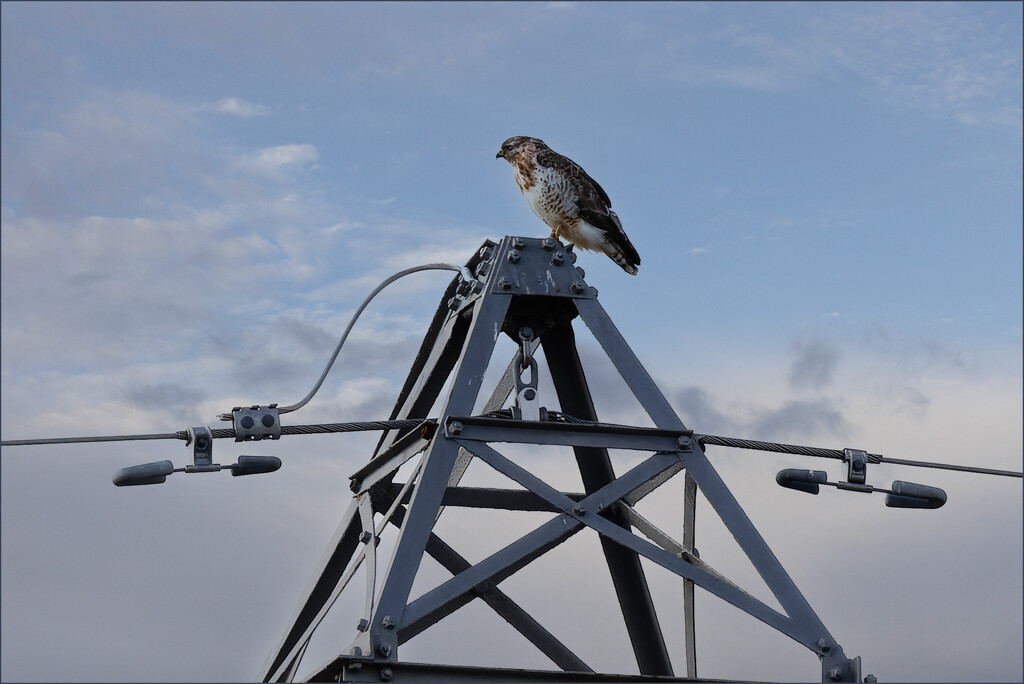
415,269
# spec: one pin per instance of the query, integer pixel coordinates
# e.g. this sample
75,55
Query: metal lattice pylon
530,290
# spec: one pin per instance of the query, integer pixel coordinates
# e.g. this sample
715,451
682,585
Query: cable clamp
201,440
856,466
256,423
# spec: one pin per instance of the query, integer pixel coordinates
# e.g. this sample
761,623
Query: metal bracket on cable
255,423
856,466
471,284
201,441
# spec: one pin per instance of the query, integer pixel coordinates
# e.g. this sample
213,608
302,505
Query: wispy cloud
275,162
236,107
796,419
942,58
286,155
938,57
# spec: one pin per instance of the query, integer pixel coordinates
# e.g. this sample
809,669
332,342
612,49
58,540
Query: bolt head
579,510
577,287
384,649
514,255
548,244
835,674
558,258
386,674
504,284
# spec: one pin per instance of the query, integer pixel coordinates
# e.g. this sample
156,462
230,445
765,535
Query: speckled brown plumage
568,200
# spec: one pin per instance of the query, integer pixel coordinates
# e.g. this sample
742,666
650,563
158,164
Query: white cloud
237,107
937,57
286,155
274,161
106,153
941,58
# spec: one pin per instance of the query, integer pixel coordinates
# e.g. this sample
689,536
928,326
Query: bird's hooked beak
501,153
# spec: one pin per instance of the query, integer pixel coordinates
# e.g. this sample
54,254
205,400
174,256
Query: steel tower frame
530,290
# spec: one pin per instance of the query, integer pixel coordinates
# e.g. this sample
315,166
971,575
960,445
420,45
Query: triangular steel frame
524,282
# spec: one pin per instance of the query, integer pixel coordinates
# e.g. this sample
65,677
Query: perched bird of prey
567,199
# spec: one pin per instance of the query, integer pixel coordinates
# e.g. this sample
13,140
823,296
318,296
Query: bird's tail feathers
620,258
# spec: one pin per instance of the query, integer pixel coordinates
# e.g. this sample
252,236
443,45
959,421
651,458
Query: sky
827,202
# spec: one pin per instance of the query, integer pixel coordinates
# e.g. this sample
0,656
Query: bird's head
514,146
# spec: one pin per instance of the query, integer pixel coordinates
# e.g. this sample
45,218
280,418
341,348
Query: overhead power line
222,433
408,424
364,426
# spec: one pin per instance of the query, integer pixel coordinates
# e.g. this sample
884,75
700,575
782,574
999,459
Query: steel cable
222,433
557,417
777,448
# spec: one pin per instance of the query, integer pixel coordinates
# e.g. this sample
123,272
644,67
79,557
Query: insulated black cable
344,335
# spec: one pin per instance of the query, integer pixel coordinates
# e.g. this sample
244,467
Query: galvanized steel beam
628,578
531,283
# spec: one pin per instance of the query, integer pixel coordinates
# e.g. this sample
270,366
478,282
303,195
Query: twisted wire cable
222,433
323,428
777,448
554,416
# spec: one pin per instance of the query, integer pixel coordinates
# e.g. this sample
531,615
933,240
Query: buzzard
567,199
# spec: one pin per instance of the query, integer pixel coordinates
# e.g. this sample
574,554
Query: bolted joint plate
536,266
836,668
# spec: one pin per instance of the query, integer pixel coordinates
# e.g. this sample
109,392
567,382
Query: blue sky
826,199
